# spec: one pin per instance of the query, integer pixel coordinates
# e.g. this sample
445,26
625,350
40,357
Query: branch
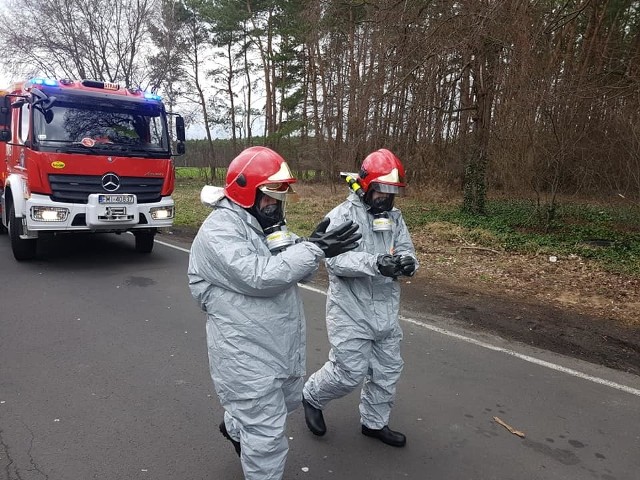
480,248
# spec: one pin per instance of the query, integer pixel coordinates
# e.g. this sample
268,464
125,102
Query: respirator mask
271,217
379,208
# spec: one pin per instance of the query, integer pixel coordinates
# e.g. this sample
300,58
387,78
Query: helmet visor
386,188
279,191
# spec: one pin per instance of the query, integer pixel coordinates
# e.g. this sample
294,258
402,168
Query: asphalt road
103,375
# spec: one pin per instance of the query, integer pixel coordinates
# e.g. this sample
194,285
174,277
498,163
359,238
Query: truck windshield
95,124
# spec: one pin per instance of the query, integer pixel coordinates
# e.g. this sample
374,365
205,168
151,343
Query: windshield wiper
143,151
75,147
102,148
96,148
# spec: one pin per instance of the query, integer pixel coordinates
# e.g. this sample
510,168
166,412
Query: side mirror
180,148
48,103
180,135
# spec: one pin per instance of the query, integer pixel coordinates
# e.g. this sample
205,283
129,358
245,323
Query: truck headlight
161,213
49,214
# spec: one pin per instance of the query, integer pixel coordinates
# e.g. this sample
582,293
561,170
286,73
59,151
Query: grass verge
608,235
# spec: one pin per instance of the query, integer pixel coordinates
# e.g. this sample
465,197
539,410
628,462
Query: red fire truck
84,156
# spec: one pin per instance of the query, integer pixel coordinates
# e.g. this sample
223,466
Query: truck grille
77,188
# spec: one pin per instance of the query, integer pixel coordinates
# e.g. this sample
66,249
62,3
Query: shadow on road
90,251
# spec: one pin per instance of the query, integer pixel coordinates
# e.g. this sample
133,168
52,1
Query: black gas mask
380,204
270,215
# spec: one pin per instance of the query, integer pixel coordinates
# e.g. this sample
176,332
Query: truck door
16,154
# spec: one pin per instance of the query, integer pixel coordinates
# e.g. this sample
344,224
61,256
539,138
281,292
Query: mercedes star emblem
110,182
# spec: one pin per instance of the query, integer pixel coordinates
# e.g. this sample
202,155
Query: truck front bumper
103,213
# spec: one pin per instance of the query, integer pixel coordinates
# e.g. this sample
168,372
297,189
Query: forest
537,99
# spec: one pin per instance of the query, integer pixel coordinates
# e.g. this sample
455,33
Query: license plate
109,199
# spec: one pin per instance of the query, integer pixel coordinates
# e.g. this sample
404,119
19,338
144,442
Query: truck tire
22,249
144,241
3,229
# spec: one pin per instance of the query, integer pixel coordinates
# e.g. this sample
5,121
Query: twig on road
509,427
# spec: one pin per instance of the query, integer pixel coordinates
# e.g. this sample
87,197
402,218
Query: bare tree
101,39
535,97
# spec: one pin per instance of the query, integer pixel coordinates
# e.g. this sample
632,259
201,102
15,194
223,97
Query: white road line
172,246
526,358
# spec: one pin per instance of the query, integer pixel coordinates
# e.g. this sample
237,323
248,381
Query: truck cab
84,156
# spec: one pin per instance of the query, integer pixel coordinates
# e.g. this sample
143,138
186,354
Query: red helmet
257,167
384,170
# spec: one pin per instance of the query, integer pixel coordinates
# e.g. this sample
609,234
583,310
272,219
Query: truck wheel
22,249
144,241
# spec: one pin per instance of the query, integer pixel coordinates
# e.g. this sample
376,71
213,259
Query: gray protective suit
362,319
255,330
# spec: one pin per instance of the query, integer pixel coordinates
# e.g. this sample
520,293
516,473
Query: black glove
388,266
338,240
406,264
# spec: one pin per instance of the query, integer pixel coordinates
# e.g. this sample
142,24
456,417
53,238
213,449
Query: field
607,235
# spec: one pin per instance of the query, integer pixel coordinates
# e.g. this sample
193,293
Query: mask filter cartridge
381,222
278,238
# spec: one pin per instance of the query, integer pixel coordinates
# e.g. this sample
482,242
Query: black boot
386,435
223,431
314,418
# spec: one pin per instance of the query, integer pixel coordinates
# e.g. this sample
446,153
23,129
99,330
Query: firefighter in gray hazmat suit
244,267
363,303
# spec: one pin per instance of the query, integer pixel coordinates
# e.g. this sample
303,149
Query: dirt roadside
586,336
563,305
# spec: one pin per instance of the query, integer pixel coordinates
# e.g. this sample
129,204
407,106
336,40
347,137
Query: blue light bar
152,96
44,81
